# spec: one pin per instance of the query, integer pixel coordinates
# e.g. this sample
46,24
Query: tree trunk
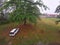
24,21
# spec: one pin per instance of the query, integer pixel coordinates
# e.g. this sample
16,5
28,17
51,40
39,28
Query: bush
4,22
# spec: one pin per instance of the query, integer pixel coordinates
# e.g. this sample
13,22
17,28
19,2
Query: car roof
13,30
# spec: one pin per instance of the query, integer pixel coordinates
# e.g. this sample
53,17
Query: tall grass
49,32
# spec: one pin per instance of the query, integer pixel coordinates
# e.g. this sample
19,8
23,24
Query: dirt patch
55,43
24,29
27,26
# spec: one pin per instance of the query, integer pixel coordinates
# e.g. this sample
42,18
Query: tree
58,11
26,10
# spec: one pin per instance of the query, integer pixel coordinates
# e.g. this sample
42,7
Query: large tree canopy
57,9
26,10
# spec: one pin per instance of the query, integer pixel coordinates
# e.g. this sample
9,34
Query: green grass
49,34
5,26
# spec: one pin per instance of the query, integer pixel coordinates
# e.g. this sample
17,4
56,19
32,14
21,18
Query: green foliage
25,10
4,22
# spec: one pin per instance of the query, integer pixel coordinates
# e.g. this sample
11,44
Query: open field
45,31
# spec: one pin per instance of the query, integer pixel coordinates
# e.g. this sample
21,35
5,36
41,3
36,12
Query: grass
5,26
45,31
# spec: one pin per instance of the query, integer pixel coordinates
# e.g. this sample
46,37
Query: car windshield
11,32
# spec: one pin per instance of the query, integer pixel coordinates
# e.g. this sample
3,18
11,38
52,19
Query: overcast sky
52,4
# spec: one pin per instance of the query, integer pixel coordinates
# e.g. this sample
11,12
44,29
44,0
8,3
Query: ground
45,31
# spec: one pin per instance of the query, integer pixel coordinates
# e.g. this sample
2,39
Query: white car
13,32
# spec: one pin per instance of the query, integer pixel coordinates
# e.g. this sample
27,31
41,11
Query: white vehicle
13,32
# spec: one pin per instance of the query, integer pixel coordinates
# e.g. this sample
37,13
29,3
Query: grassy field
45,31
